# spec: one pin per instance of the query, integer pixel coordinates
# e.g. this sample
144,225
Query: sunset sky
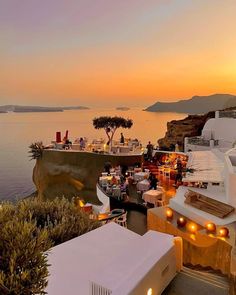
115,52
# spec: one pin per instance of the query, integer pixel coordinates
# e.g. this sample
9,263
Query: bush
27,230
23,263
60,217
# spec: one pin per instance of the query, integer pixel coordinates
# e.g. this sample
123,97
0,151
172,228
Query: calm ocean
19,130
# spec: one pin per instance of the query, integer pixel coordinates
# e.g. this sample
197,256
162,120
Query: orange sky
112,52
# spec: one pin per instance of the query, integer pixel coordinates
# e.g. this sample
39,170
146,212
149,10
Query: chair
122,220
160,203
167,172
161,170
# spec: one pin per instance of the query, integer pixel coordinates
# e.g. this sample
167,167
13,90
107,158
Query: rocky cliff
177,130
72,173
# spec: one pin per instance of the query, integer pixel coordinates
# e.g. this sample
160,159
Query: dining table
139,176
153,196
107,179
143,185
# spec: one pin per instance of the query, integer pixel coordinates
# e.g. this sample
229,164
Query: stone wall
71,173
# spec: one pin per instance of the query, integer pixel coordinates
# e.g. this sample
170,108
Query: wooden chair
167,172
160,203
161,170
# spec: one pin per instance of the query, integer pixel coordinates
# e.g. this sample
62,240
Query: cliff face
71,173
178,130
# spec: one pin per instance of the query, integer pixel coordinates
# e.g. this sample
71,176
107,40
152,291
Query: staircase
214,279
196,282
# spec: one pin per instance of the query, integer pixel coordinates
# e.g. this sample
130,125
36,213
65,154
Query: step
219,281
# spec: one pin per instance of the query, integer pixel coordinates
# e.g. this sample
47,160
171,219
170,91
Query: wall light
223,232
181,221
192,228
210,227
169,213
149,291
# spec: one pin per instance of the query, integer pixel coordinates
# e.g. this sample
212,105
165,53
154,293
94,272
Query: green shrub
60,217
23,263
27,230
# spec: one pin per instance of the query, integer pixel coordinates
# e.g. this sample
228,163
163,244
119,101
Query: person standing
122,139
82,143
179,174
149,151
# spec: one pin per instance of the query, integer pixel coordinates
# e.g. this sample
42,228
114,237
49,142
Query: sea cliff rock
177,130
70,173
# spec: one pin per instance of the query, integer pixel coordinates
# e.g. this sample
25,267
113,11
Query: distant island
196,104
122,108
31,109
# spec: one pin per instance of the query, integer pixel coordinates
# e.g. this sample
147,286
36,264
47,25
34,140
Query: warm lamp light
169,213
210,227
181,221
192,228
81,203
223,232
149,291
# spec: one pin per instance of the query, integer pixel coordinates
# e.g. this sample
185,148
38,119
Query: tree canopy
111,124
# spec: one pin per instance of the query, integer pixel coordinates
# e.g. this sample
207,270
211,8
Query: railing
227,114
198,140
96,289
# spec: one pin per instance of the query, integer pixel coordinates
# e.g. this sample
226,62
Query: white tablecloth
143,185
152,196
106,179
139,176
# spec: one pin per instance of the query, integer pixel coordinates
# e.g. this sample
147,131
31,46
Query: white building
113,260
218,171
218,132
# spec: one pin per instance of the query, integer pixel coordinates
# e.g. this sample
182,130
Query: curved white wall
104,199
220,128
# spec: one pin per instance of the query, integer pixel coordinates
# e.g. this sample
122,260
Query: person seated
114,180
123,187
153,181
67,144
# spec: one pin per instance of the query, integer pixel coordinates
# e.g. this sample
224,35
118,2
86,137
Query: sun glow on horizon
132,53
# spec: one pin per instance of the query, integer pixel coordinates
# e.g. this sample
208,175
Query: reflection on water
19,130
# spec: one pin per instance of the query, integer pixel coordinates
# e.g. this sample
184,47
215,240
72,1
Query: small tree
36,150
110,125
